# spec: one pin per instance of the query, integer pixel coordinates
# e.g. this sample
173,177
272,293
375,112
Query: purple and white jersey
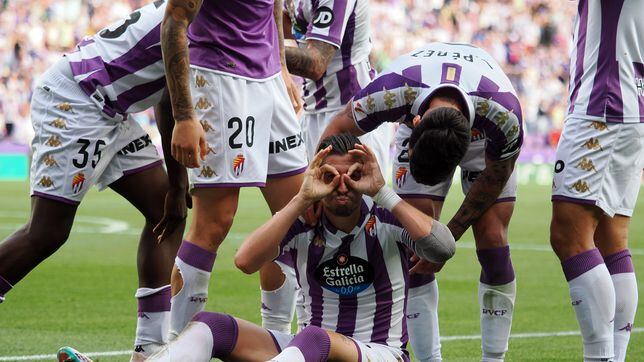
403,90
236,37
345,24
607,62
354,284
120,68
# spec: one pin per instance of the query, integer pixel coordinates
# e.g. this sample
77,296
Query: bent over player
598,173
352,267
84,136
435,91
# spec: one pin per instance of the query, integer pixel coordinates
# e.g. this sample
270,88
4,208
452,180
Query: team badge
202,103
476,135
580,186
593,144
482,108
600,126
77,182
410,94
390,98
358,107
58,123
50,161
238,164
586,165
53,141
370,227
207,172
46,181
206,126
65,107
371,103
201,81
401,176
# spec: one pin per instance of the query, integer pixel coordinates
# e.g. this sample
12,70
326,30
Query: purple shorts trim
277,345
505,199
288,173
143,168
572,200
56,198
157,302
357,348
229,185
422,196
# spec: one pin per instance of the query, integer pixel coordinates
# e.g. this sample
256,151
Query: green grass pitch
84,295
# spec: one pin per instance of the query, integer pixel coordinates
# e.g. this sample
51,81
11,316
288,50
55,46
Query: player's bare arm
291,87
261,246
311,62
484,192
188,139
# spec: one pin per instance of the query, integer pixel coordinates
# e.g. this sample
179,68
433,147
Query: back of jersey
121,68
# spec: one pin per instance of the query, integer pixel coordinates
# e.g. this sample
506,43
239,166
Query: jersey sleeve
330,19
499,115
297,230
388,98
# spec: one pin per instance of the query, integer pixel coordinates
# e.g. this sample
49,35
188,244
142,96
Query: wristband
387,198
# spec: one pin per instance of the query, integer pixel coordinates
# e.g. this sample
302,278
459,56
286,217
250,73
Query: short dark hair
439,143
342,143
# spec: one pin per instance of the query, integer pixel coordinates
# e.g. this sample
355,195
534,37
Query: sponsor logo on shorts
576,302
593,144
600,126
46,181
53,141
206,125
65,107
371,103
50,161
345,275
413,315
77,182
482,108
494,312
202,103
201,81
628,328
401,176
559,166
207,172
136,145
238,164
476,135
639,84
210,150
58,123
586,165
580,186
513,131
285,144
390,98
370,227
323,17
410,94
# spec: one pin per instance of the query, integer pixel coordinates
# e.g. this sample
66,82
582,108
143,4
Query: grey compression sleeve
437,247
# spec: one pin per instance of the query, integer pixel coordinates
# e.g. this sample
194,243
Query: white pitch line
443,339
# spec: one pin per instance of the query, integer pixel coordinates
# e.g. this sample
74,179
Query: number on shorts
404,154
237,124
85,155
113,34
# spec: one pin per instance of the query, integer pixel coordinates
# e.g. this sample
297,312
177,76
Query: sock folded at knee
153,320
194,264
5,287
497,293
593,299
278,306
312,344
620,267
224,329
422,322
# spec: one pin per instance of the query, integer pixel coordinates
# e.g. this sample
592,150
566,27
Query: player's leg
611,238
316,344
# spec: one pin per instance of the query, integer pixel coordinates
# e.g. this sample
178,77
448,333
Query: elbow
244,264
439,246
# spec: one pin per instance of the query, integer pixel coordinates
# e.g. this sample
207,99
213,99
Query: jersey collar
422,101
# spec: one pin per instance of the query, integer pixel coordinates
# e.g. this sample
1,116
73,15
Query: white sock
193,344
593,299
191,299
625,286
278,306
289,354
153,321
497,307
422,322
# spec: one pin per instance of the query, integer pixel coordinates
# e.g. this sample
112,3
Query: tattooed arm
311,62
484,192
291,87
188,138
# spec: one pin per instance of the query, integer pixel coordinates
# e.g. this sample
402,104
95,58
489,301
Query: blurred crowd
530,38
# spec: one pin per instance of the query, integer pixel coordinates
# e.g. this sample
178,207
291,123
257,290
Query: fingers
203,145
159,229
414,258
319,157
328,168
349,182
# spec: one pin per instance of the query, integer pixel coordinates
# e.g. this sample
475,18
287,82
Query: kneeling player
352,267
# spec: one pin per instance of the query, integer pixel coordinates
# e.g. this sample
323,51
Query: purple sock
581,263
496,266
196,256
5,287
224,332
313,342
619,262
157,302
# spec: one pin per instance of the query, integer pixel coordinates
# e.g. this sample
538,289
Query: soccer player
598,173
84,136
352,267
430,91
235,124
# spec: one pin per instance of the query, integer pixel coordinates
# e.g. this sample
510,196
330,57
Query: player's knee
313,335
224,330
45,242
559,240
489,237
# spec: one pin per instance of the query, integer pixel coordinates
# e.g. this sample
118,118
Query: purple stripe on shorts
487,85
315,290
496,265
357,349
451,67
196,256
638,69
157,302
573,200
413,72
288,173
620,262
5,286
55,198
606,95
582,9
422,196
581,263
403,251
383,290
143,168
229,185
505,199
418,280
224,329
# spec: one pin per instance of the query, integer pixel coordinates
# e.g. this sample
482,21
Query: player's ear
416,121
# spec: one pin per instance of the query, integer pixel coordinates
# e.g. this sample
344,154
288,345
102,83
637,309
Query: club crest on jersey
593,144
345,275
207,172
370,227
476,135
201,81
390,98
46,181
77,182
65,107
358,107
600,126
586,165
482,108
580,186
53,141
202,104
238,164
206,126
58,123
401,176
50,161
410,94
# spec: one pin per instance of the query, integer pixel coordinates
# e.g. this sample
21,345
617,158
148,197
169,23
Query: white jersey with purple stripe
120,68
345,24
607,62
403,90
354,284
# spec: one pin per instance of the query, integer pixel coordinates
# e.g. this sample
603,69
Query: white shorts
74,146
251,130
379,140
599,164
472,165
373,352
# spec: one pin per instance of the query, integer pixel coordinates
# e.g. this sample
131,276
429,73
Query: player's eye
328,177
356,176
